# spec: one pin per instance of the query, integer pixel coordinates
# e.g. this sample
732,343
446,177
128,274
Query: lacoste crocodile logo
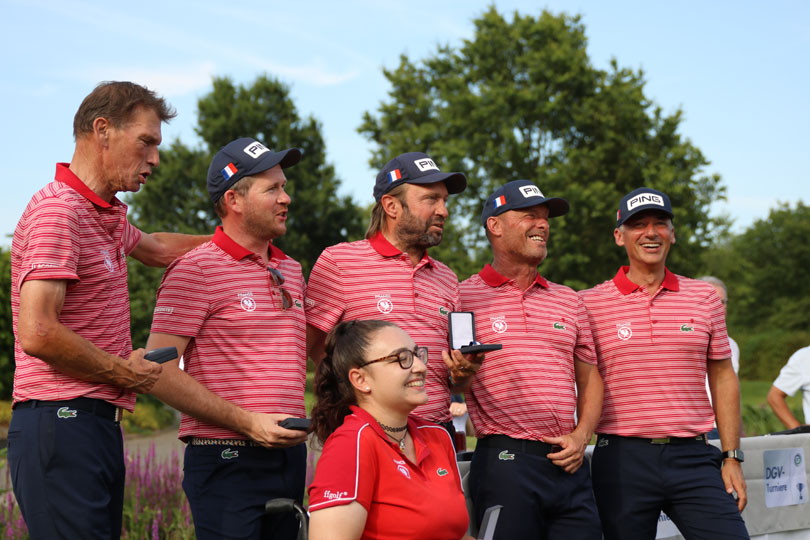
297,303
686,328
558,326
506,456
64,412
441,472
230,454
443,311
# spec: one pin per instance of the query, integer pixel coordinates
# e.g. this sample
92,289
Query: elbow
34,338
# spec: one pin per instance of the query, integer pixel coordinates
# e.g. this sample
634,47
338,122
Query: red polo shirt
245,348
403,499
527,389
68,233
652,354
371,279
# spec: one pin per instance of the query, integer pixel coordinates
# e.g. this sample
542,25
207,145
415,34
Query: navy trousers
634,480
228,486
540,500
67,469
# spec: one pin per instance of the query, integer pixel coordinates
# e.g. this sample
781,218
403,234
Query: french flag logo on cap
500,201
394,175
229,171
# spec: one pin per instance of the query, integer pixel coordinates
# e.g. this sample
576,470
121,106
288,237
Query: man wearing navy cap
390,275
522,402
234,308
658,335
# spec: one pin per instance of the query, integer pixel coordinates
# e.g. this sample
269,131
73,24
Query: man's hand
462,366
141,374
572,451
265,430
734,481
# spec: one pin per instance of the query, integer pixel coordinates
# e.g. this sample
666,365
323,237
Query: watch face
736,454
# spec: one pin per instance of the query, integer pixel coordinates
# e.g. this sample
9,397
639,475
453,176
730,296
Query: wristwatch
736,454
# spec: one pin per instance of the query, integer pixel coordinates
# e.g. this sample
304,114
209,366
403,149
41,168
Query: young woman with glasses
382,473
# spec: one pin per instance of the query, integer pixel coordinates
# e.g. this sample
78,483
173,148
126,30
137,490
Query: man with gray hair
722,292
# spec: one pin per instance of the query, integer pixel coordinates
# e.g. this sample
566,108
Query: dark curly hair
346,345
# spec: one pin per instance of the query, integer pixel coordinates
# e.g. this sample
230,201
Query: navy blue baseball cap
520,194
241,158
642,199
415,168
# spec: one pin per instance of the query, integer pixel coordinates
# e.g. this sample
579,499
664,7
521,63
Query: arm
589,407
160,248
776,399
315,343
463,368
345,522
183,392
42,335
725,390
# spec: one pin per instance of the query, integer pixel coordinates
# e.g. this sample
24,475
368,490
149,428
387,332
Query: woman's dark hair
346,345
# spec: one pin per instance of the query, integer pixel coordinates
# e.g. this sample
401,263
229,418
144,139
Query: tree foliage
6,327
176,198
522,100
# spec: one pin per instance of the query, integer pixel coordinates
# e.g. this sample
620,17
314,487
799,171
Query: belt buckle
660,440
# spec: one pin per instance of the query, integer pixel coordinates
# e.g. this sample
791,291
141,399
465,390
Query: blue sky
739,70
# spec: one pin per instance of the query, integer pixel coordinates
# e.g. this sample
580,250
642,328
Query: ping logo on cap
530,191
255,149
645,198
425,164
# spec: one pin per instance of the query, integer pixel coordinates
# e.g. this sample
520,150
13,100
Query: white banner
785,477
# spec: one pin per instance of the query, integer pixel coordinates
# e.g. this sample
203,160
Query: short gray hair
717,282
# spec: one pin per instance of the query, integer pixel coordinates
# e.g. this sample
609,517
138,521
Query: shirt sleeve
53,243
131,237
325,300
585,350
346,472
792,377
181,308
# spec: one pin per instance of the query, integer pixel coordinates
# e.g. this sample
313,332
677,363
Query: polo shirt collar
229,246
492,278
66,176
419,443
626,286
385,248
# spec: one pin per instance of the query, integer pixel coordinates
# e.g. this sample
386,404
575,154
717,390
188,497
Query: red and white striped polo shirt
652,354
67,232
245,348
371,279
527,389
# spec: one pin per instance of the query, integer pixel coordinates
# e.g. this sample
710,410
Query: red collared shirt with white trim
653,352
371,279
245,347
403,499
67,232
527,390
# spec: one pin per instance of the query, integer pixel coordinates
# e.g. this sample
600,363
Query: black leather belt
697,439
502,442
97,407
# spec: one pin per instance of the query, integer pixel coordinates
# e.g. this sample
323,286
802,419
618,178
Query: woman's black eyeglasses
278,280
404,357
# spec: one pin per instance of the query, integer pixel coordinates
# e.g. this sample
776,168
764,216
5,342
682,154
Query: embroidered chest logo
441,472
246,301
558,326
623,331
687,328
402,468
64,412
229,454
498,324
297,303
108,261
384,303
443,311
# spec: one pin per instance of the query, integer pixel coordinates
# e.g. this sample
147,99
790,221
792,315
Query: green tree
522,100
6,327
176,198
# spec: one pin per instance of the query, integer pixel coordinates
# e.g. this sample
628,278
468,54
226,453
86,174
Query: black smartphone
462,334
301,424
161,355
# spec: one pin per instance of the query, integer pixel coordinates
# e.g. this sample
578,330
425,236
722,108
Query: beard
415,234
